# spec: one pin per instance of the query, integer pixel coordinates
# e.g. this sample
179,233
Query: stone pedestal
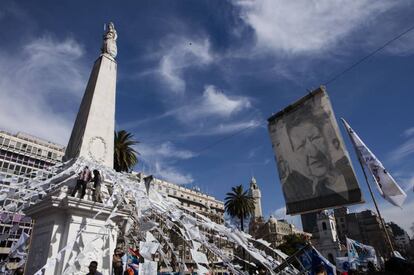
58,219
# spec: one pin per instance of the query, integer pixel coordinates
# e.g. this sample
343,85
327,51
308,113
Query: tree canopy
239,204
125,156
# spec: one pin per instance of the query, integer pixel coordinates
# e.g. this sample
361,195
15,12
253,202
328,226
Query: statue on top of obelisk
109,40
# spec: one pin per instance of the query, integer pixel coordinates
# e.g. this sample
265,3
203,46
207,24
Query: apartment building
21,155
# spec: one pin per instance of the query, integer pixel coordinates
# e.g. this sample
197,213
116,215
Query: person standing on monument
83,178
97,181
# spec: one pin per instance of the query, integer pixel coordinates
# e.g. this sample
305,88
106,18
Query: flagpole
376,207
370,190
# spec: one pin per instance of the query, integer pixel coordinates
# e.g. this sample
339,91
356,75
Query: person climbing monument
83,178
97,181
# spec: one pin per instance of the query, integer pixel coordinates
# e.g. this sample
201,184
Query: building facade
271,230
326,239
401,238
193,200
21,155
364,227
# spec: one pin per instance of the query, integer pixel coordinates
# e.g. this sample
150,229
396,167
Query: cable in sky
335,77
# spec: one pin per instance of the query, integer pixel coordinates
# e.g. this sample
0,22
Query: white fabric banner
386,184
148,268
18,248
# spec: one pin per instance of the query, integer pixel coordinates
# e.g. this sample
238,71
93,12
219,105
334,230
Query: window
18,145
14,157
49,154
323,226
6,142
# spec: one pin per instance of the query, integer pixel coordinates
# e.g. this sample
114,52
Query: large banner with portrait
313,163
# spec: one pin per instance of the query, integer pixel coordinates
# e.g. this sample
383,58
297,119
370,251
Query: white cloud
405,178
403,46
180,54
168,150
253,152
403,151
409,132
280,213
225,128
172,174
160,161
213,103
38,81
302,27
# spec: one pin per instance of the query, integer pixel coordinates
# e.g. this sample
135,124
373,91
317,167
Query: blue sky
192,73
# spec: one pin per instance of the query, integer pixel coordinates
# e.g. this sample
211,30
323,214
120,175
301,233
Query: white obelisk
93,133
58,217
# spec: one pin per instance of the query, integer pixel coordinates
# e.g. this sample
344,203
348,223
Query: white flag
386,184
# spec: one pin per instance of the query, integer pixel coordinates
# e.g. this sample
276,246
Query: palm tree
239,204
125,156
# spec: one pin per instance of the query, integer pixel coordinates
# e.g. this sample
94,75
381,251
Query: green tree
292,243
239,204
125,156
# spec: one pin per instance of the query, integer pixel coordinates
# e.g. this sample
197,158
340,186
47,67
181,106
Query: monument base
58,219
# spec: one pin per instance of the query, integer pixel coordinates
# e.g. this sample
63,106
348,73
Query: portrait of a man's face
313,164
308,142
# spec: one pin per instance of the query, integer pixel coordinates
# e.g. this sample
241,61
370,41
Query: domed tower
257,196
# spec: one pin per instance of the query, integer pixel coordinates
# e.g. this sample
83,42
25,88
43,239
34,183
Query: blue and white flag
311,260
342,264
360,253
386,184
